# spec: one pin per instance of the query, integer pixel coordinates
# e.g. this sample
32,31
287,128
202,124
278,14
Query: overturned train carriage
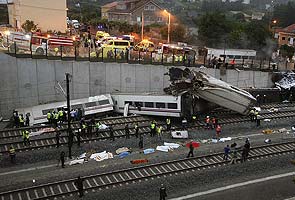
201,85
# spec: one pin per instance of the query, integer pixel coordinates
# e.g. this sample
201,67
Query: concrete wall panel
113,77
61,68
97,78
46,81
157,80
80,80
128,77
142,78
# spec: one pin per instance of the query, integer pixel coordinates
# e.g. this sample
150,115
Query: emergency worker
26,137
153,128
159,131
168,123
136,127
79,184
49,117
12,154
207,121
21,120
163,193
27,119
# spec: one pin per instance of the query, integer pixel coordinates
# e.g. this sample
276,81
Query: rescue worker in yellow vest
60,115
26,137
168,123
175,58
55,118
159,131
49,117
256,113
153,129
180,58
21,120
252,113
194,119
12,154
83,128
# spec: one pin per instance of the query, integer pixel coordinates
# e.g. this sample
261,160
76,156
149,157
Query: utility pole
70,133
142,25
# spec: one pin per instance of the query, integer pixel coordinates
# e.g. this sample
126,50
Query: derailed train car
210,89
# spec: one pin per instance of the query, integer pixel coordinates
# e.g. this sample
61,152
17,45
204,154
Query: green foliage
284,14
29,26
287,51
216,30
177,33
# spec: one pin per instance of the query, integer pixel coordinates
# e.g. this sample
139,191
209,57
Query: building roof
110,5
129,9
289,29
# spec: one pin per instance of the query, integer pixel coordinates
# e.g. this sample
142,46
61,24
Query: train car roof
142,94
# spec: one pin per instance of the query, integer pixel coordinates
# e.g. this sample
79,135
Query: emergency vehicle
37,43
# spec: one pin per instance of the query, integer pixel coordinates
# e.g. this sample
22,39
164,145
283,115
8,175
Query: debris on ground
267,141
267,120
273,110
123,149
148,151
91,156
41,131
282,130
124,154
139,161
179,134
267,131
225,139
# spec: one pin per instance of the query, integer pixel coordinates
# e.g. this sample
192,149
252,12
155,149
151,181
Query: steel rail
146,172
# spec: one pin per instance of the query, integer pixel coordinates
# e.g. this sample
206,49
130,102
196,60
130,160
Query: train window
149,104
160,105
129,102
230,56
172,105
104,102
237,57
90,104
76,106
44,112
245,57
138,104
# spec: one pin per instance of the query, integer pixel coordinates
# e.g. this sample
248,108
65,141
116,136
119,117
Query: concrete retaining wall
25,82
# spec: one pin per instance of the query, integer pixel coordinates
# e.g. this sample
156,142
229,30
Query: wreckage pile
201,85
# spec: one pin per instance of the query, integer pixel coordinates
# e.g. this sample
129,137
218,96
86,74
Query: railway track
131,175
144,128
16,133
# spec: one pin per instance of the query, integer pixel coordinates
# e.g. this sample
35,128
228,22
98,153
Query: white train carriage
93,105
151,104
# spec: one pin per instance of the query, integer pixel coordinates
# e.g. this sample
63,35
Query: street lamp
169,15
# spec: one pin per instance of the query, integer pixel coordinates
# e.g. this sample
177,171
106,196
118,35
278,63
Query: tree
213,28
287,51
257,34
29,26
284,14
177,33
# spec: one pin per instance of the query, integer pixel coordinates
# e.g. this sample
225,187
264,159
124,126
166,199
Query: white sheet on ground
102,127
225,139
101,156
122,149
76,161
148,151
172,145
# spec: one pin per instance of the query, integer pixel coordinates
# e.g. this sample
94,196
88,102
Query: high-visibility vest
136,126
25,134
97,125
21,120
48,115
60,113
84,126
12,151
176,58
56,116
159,130
252,112
180,58
194,117
168,121
153,126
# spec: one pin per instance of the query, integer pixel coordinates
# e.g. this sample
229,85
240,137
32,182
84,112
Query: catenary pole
70,136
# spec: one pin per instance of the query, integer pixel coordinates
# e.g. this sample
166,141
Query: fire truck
37,43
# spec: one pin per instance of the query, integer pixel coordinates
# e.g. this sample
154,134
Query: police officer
21,120
12,154
136,130
127,132
163,193
49,117
79,185
62,159
153,128
168,123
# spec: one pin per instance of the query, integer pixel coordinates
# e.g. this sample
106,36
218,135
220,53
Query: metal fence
138,57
